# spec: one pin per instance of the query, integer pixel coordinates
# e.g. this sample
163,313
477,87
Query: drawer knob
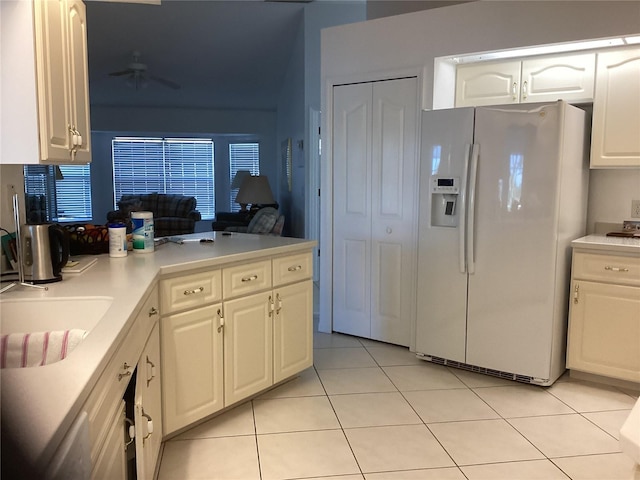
194,291
153,311
295,269
616,269
250,278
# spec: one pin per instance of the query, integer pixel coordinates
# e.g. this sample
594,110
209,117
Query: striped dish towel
37,348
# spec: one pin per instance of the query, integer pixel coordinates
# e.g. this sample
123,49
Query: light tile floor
368,410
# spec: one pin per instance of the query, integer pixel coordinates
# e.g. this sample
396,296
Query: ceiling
223,54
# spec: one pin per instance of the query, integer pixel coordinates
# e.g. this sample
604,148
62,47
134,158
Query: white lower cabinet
192,374
257,333
106,405
292,338
112,461
604,316
148,408
248,348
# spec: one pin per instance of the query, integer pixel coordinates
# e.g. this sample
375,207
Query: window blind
68,198
182,166
242,156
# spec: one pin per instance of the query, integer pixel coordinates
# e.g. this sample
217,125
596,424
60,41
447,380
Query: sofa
172,214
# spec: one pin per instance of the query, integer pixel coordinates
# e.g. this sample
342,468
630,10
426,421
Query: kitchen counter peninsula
40,405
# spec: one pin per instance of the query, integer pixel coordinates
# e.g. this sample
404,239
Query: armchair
266,221
172,214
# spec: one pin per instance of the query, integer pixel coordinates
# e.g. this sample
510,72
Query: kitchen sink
43,331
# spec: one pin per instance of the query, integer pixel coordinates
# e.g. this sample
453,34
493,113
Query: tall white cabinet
45,86
374,192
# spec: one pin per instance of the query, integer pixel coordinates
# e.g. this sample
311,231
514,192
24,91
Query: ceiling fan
138,76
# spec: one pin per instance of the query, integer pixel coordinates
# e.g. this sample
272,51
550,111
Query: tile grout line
344,434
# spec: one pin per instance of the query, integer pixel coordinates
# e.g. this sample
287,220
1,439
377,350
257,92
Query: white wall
300,92
377,48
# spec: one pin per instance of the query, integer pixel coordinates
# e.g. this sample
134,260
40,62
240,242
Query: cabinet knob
153,311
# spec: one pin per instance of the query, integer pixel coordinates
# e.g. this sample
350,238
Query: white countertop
42,402
608,244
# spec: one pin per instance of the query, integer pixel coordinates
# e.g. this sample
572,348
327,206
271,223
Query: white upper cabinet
566,77
45,118
615,137
494,83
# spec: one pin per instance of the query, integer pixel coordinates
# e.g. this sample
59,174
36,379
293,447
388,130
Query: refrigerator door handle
470,227
463,212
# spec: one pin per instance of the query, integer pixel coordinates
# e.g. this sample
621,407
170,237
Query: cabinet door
293,330
616,110
248,346
494,83
192,373
566,77
112,462
52,73
79,78
148,408
604,330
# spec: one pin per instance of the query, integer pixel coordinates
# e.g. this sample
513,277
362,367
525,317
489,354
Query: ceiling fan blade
165,82
128,71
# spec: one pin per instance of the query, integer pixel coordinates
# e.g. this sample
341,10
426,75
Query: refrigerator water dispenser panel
444,199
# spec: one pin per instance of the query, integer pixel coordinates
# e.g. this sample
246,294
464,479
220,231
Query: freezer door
511,292
447,136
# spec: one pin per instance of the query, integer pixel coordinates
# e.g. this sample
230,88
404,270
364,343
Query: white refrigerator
503,191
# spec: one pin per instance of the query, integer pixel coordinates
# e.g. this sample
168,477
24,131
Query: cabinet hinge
576,293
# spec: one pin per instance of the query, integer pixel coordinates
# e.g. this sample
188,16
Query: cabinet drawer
247,278
607,268
292,268
191,291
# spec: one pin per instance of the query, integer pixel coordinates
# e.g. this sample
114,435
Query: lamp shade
239,177
255,190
